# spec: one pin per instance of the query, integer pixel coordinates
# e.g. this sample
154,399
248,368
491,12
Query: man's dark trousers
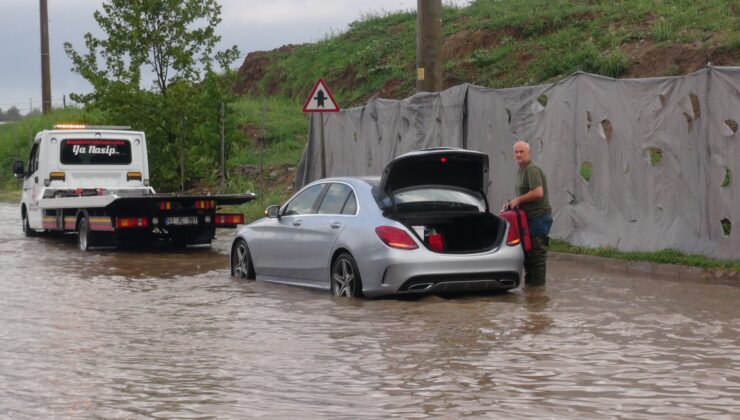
535,261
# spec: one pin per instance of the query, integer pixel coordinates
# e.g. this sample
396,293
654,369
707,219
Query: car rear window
435,198
95,152
350,207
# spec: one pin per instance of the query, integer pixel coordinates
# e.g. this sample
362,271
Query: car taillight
512,238
395,237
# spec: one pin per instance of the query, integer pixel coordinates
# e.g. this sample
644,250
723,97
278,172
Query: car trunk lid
442,166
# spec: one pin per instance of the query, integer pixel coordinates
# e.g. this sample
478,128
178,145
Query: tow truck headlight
155,221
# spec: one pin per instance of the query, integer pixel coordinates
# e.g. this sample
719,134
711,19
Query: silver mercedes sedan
424,226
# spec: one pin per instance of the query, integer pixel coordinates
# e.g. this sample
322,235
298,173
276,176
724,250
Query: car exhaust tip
420,287
507,283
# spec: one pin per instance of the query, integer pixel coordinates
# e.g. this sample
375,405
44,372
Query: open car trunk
456,233
439,194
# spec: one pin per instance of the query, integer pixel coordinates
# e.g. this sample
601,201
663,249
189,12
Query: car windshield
435,198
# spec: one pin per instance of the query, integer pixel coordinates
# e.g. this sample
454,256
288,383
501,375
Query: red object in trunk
519,228
435,242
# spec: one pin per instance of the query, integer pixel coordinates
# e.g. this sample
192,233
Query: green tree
175,41
12,114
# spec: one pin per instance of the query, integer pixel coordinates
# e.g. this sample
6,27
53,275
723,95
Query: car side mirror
18,170
273,212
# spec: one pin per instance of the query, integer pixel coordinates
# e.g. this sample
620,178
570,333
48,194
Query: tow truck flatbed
112,200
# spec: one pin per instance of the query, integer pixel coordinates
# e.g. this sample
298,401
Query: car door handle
297,222
335,225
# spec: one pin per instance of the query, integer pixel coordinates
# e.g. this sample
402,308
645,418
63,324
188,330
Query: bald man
531,190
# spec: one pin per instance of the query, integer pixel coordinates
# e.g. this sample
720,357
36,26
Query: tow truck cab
76,160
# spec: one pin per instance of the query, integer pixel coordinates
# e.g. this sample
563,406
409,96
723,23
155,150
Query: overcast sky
252,25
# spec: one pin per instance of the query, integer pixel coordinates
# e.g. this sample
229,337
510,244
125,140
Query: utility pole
182,159
223,153
45,70
428,45
262,148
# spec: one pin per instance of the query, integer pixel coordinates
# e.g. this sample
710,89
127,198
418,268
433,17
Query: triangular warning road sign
320,99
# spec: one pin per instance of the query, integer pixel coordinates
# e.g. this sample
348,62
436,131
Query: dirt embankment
646,59
253,69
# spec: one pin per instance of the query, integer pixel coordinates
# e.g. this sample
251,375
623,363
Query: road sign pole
223,154
323,148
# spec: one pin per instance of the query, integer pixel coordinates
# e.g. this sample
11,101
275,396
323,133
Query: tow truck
94,181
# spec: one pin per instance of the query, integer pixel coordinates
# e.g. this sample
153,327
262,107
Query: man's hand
508,205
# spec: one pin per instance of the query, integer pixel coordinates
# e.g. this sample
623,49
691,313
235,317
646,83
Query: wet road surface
168,334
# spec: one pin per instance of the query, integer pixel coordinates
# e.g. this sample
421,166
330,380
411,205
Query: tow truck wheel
84,236
26,227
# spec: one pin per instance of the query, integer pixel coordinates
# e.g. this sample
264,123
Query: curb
683,273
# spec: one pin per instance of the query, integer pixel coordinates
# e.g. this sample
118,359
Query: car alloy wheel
345,277
241,261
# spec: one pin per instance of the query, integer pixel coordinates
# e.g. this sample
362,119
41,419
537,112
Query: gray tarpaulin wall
628,203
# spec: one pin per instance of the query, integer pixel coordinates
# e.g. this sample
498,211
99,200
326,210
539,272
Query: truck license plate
181,220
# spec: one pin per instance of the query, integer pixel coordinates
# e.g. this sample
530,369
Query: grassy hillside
506,43
281,145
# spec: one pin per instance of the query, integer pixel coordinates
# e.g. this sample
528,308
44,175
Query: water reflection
536,302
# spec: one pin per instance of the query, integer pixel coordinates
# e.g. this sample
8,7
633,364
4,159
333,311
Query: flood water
169,334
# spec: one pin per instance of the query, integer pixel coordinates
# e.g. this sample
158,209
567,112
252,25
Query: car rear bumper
394,271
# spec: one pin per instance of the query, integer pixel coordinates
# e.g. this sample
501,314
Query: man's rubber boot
535,263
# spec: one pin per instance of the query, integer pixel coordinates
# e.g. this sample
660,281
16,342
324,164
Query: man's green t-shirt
527,179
